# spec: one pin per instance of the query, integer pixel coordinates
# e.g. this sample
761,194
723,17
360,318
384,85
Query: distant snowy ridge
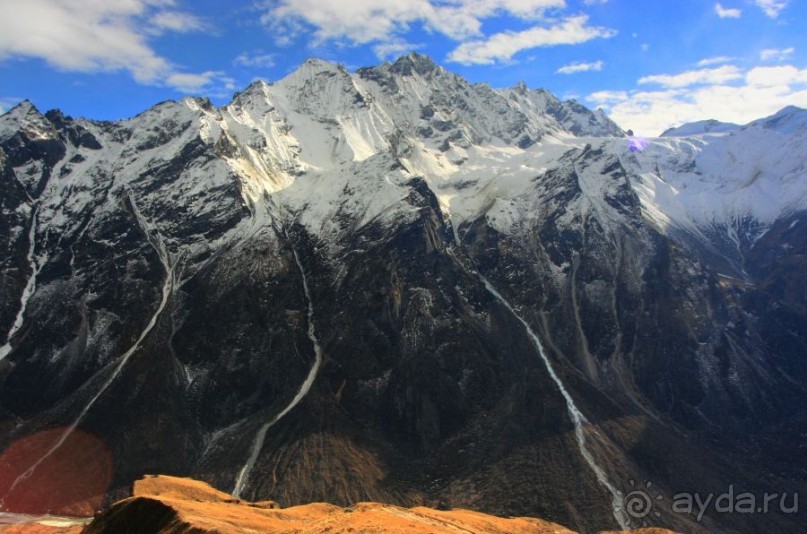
709,126
752,172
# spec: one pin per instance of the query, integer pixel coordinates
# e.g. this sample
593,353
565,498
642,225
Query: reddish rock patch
70,480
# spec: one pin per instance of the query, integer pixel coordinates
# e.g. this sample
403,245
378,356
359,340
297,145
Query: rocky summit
393,285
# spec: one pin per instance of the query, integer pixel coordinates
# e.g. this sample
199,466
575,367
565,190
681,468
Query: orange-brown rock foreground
164,504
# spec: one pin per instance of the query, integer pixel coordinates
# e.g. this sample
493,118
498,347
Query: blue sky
650,65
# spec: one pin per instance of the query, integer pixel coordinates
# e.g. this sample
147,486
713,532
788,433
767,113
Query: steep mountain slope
397,286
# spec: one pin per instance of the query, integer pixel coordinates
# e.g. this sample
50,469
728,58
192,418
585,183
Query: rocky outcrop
171,505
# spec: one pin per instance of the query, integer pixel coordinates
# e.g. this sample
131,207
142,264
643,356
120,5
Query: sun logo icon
638,504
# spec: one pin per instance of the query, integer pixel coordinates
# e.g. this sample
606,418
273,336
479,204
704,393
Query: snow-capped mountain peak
414,63
25,118
319,89
709,126
791,120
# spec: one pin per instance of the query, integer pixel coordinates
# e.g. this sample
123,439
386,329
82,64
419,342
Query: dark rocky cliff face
171,316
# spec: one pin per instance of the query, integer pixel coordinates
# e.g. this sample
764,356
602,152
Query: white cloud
95,36
776,76
176,21
70,36
776,54
772,8
694,77
216,81
256,60
607,98
501,47
727,13
385,24
759,92
580,67
394,49
367,21
717,60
